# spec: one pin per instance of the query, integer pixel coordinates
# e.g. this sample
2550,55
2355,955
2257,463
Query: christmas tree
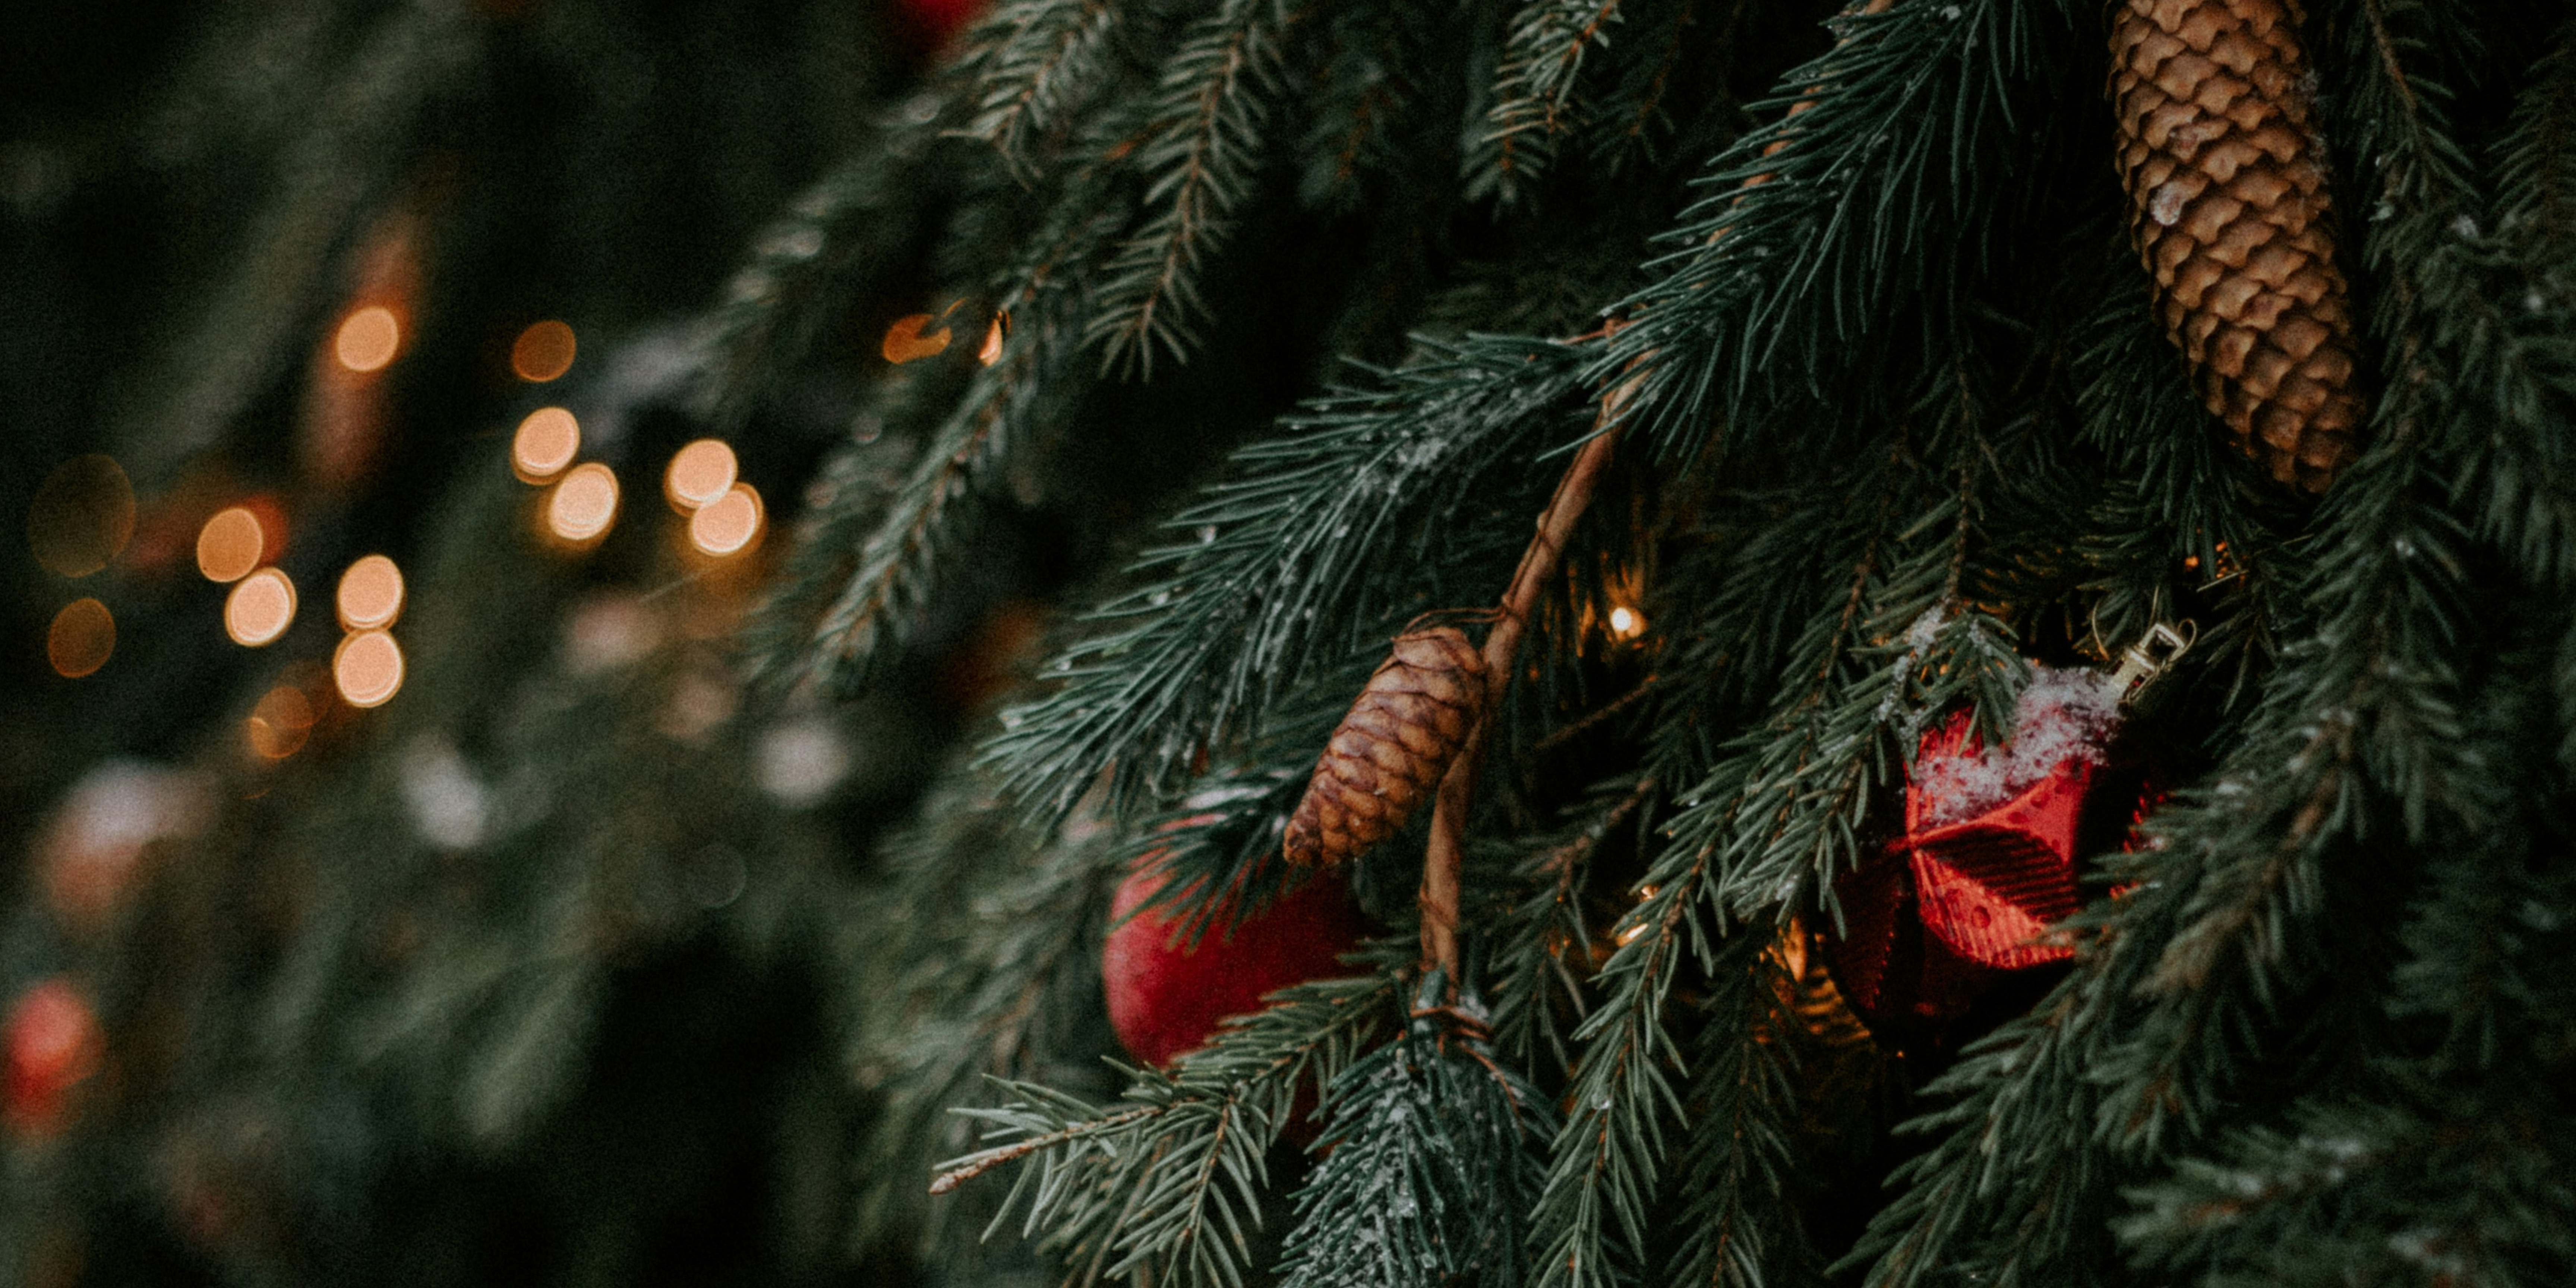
1561,643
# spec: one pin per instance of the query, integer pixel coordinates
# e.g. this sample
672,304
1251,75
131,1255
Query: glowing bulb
546,442
542,352
368,339
371,593
904,341
728,524
991,352
1629,935
1626,624
260,608
230,545
584,504
278,726
367,668
82,637
699,473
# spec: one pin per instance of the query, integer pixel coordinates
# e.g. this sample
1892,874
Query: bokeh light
1626,623
546,442
278,726
584,504
368,339
371,593
699,473
542,352
729,524
81,516
904,341
260,608
368,668
82,637
231,544
991,352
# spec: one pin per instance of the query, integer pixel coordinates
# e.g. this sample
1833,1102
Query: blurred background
403,886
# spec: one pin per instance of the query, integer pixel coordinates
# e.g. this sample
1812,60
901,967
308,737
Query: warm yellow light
991,352
1629,935
82,637
1626,623
371,593
584,504
728,524
699,473
278,726
368,668
260,608
546,442
905,342
542,352
230,545
368,339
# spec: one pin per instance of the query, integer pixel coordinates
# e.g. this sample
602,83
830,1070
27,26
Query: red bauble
1964,899
54,1043
1166,996
933,21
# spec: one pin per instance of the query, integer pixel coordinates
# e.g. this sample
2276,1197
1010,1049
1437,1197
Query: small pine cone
2230,212
1388,754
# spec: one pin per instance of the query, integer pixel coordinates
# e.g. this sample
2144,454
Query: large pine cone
2229,209
1388,754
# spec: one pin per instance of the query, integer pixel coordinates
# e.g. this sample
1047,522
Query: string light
1626,623
699,473
367,668
368,339
546,442
991,352
230,545
278,726
904,341
584,504
729,524
371,593
542,352
260,608
82,516
81,638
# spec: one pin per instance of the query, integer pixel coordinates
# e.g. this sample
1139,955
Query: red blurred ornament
54,1045
1166,996
934,21
1965,898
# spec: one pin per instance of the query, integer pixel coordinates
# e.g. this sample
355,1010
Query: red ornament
54,1044
1167,996
1965,897
932,22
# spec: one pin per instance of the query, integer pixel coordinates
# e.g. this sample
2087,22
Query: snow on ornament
54,1045
1167,995
1970,892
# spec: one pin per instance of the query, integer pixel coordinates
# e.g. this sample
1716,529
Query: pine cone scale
1387,755
2228,212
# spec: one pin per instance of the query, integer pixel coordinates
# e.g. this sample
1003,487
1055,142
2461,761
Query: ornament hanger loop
2143,661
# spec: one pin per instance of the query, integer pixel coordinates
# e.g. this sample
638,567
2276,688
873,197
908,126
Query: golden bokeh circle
542,352
729,524
260,608
278,726
371,593
699,473
584,504
368,339
367,668
81,638
546,442
230,544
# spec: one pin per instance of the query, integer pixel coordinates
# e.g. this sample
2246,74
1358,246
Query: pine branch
1429,1163
1534,92
1737,1166
1207,139
1372,507
1037,64
1165,1181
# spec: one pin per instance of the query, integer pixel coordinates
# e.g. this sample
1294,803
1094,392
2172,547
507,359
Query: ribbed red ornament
1166,998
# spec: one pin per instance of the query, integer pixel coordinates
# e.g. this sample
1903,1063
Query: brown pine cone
2230,212
1388,754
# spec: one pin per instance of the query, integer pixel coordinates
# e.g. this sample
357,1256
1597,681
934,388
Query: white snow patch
2062,716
